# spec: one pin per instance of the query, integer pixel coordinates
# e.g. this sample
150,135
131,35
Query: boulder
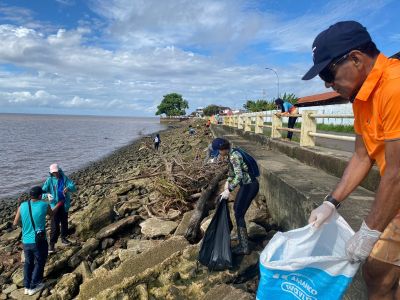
134,247
129,207
67,288
184,224
256,231
59,260
154,227
227,292
13,235
139,246
97,215
9,289
18,277
87,248
19,295
106,243
116,227
84,270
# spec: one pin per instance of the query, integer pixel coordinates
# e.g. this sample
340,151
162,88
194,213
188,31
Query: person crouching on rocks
243,171
32,213
59,186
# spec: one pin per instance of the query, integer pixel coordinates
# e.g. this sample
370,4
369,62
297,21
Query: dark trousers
156,145
292,121
35,260
245,195
59,220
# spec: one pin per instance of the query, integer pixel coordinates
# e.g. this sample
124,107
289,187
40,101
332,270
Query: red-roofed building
329,98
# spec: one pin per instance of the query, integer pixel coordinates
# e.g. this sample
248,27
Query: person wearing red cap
347,60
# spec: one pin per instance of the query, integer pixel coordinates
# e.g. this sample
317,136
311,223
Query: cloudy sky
119,57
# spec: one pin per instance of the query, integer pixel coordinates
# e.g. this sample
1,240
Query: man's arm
49,211
17,217
386,204
357,169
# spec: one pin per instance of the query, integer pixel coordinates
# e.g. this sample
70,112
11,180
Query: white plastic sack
307,263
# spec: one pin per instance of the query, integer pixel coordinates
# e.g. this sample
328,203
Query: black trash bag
215,251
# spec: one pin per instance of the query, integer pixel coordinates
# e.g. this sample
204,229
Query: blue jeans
35,260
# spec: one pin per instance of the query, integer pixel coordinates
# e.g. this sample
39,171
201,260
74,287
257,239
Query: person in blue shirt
35,251
59,186
287,109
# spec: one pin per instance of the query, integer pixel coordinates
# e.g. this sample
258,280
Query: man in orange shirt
347,60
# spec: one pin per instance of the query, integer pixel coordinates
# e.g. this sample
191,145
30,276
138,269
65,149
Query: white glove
361,243
225,194
226,186
321,214
50,197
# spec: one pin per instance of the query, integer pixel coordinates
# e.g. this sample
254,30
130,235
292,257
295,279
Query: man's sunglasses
328,74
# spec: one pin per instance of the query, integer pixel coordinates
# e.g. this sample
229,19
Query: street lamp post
277,77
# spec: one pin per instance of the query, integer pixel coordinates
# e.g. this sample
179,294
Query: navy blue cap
336,41
36,192
218,142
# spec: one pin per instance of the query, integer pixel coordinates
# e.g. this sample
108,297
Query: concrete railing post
247,122
259,123
308,124
240,122
276,123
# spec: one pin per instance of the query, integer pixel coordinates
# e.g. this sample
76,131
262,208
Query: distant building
198,113
328,98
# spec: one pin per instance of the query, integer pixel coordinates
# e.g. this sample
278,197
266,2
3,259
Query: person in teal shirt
59,186
35,253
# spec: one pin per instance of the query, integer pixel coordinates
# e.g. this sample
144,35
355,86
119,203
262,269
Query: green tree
172,105
211,110
290,98
259,105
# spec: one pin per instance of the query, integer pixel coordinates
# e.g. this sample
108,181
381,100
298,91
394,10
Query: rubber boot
243,247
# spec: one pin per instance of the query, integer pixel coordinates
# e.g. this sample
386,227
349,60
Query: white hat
53,168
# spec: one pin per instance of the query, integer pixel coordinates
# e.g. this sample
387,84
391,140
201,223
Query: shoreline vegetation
128,223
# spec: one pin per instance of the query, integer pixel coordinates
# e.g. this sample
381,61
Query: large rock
134,247
59,261
19,295
18,277
227,292
11,236
129,207
184,224
154,227
9,289
131,267
84,271
97,215
87,248
256,231
117,227
67,288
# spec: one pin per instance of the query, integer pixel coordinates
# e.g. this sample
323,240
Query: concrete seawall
294,180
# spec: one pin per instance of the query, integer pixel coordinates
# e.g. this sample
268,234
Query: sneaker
38,288
26,291
51,249
65,241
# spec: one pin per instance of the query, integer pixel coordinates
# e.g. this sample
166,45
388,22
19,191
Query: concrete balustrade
308,130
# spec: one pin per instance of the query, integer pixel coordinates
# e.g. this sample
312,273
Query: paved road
335,144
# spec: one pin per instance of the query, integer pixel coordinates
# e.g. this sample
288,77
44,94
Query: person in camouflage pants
238,176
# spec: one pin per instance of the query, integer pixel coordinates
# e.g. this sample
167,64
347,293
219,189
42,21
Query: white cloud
150,48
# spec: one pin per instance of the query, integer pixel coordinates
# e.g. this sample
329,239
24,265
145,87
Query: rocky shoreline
128,221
